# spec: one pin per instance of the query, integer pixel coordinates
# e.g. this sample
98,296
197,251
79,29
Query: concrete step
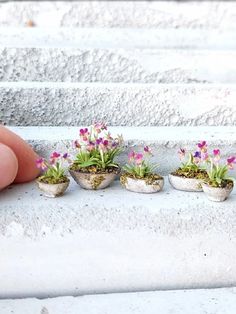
117,55
217,301
164,141
130,104
161,14
113,241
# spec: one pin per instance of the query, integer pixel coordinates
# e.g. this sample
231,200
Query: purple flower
105,142
197,155
98,141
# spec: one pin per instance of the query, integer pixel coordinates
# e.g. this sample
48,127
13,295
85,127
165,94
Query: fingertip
8,166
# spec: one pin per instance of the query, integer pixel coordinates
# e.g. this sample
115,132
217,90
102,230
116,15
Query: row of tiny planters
94,167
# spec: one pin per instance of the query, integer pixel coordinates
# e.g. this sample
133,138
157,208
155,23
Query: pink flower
138,158
90,146
54,156
83,132
77,144
204,156
216,152
131,156
203,146
40,163
100,127
182,153
147,150
231,161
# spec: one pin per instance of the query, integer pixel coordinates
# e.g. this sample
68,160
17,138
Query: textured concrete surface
164,141
162,14
26,103
217,301
116,38
113,241
117,65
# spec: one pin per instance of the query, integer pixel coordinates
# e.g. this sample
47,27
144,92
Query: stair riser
162,14
71,104
164,141
106,262
117,65
165,152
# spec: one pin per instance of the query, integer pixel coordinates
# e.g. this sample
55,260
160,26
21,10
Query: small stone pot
141,185
185,184
93,181
53,190
216,194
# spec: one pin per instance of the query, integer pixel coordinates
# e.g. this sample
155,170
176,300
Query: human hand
17,159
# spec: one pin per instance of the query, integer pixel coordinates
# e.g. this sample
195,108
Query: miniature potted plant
139,175
94,166
192,172
218,185
53,182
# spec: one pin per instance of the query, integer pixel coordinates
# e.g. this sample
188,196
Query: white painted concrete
64,103
116,38
164,141
143,65
113,241
159,14
217,301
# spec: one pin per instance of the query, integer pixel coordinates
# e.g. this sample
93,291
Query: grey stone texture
117,65
61,104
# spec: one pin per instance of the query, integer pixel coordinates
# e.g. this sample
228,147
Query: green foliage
141,171
218,174
54,172
97,157
189,165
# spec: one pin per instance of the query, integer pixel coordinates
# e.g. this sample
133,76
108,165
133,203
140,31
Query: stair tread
204,301
165,212
138,133
126,38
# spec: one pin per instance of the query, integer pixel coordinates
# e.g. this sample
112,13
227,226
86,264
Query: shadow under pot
185,184
151,184
53,190
217,194
94,181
